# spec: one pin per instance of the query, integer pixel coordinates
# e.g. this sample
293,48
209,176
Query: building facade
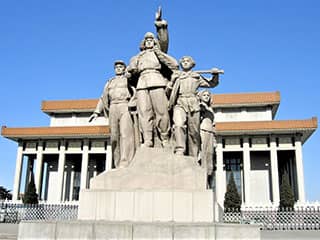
258,149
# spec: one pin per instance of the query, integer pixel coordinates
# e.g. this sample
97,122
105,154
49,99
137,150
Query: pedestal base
147,206
157,186
136,231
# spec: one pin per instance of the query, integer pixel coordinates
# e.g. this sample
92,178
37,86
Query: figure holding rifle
186,105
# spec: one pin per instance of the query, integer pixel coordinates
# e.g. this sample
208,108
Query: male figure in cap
152,101
114,102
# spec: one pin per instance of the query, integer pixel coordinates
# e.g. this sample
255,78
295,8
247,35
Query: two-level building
256,148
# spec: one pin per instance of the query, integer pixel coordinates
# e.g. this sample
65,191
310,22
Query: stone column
64,185
299,167
109,157
84,164
274,172
29,171
38,177
246,170
71,183
45,197
61,163
17,175
220,175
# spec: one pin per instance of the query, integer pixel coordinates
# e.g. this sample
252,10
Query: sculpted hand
159,14
175,75
127,74
94,116
161,23
169,88
170,85
217,71
132,104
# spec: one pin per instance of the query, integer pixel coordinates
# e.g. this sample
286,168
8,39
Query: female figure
207,133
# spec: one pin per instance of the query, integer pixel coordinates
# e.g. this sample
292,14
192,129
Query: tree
232,200
31,196
286,193
5,193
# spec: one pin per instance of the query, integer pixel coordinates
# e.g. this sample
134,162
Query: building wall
260,181
58,166
75,119
52,190
259,167
243,114
221,115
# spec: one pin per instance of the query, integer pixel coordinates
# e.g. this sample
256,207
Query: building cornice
305,127
219,101
258,99
66,106
55,132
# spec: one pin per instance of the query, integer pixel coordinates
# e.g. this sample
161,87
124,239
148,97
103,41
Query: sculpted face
186,63
205,97
119,69
149,43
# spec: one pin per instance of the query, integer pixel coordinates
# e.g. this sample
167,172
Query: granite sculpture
207,134
114,103
186,106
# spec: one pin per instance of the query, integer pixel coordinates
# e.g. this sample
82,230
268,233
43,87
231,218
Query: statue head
205,96
119,67
149,41
187,62
149,35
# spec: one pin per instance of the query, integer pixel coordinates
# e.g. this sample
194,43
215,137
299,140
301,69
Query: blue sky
54,50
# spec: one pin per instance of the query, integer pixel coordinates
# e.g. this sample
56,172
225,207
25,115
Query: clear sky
56,50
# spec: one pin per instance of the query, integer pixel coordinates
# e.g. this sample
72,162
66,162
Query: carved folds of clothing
208,139
186,111
115,99
152,101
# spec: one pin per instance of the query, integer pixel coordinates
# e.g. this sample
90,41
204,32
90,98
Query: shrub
31,196
5,193
232,200
286,193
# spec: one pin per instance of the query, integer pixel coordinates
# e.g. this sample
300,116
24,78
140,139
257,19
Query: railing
270,218
16,212
301,218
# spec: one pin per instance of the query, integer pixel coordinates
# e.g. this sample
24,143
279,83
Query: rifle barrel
220,71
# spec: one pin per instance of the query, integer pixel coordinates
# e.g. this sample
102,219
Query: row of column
221,174
61,166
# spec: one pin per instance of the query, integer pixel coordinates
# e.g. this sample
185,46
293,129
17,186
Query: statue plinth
154,169
156,186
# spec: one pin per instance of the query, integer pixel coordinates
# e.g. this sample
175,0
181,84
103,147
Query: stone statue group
152,100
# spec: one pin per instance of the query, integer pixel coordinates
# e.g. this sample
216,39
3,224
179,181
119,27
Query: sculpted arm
102,106
167,60
209,83
132,68
162,31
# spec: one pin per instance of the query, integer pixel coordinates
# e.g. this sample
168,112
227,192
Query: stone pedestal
154,168
159,196
147,206
136,231
156,186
